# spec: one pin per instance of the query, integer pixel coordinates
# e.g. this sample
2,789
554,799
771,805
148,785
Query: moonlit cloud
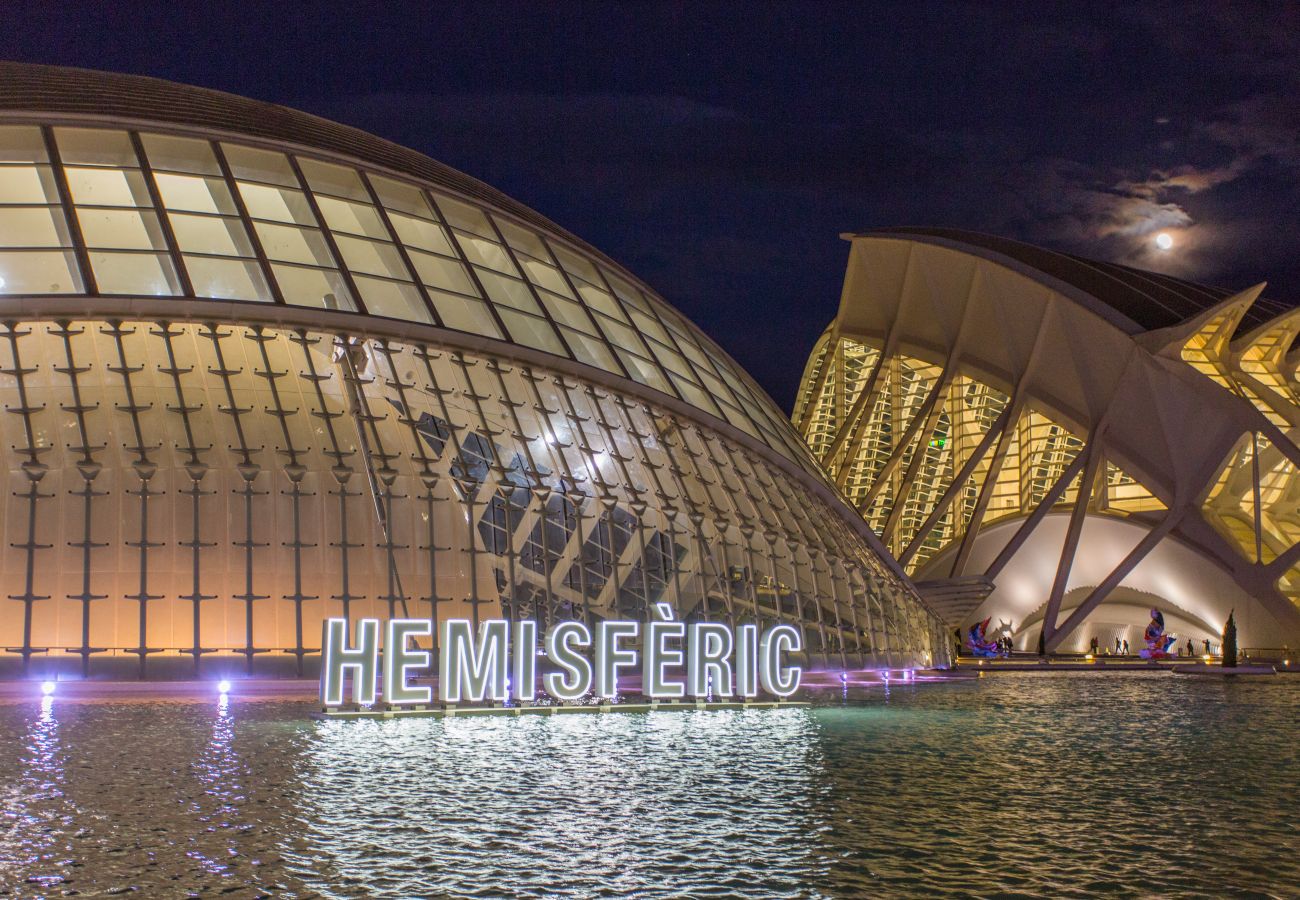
727,194
1118,222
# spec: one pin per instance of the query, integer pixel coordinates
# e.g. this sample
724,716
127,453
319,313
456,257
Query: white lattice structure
1046,439
258,368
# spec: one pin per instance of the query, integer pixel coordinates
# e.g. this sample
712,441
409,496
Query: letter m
469,669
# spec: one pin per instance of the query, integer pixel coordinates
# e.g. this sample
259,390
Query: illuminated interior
1180,405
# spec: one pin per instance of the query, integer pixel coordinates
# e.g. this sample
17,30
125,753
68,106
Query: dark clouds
718,150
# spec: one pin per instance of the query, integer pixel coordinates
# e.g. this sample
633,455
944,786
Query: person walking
1126,646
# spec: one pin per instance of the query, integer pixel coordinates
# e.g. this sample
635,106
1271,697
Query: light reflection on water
624,803
35,809
1030,785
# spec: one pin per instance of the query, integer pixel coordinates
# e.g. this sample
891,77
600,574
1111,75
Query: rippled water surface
1052,785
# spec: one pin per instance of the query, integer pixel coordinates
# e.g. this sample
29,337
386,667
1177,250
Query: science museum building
259,369
1062,445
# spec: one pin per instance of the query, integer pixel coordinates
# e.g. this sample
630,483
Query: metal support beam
849,438
1049,500
959,482
922,417
986,489
830,360
1078,513
1118,574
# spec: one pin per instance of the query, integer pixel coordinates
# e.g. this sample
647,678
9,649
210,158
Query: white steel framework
1029,447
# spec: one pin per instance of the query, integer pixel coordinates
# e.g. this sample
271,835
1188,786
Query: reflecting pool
1012,784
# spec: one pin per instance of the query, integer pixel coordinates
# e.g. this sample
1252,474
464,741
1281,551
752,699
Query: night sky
719,150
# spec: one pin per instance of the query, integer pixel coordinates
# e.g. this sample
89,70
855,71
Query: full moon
1164,241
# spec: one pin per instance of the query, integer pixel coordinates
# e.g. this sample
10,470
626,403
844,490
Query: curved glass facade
251,385
111,212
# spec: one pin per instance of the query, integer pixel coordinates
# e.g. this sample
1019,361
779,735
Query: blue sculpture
1158,643
977,641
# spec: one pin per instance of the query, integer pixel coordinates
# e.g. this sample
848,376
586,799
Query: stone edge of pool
813,682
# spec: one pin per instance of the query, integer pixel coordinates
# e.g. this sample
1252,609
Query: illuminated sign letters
362,660
610,657
563,643
499,660
477,666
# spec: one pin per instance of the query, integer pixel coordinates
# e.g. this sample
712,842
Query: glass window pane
714,384
737,418
522,239
289,244
546,276
684,332
591,351
195,193
672,360
567,312
121,229
485,253
21,143
696,395
392,299
34,226
440,272
338,181
352,218
692,351
576,265
178,154
276,204
260,165
95,147
643,370
426,235
465,314
508,291
532,331
465,217
145,274
107,187
211,234
39,272
650,326
371,257
601,300
400,196
628,294
620,335
226,279
321,288
27,184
